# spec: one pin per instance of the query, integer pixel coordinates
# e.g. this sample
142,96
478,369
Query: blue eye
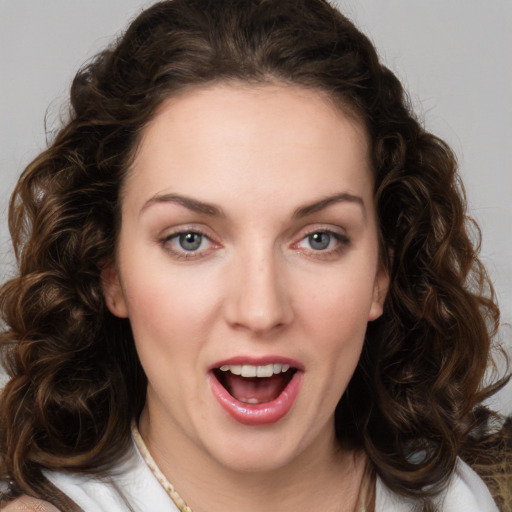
189,241
320,241
324,243
187,244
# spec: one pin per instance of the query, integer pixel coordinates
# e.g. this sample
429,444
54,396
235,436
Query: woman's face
248,267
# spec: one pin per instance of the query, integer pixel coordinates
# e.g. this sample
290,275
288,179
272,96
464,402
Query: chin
256,450
255,461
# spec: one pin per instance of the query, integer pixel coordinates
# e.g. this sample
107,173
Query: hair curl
75,379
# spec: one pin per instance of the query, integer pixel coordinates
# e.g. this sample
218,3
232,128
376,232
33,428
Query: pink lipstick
256,391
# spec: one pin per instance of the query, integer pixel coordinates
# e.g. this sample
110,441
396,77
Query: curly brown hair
75,379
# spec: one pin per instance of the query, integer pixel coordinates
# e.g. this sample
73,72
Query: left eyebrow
317,206
187,202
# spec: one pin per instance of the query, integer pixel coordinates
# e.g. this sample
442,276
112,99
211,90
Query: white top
466,492
136,484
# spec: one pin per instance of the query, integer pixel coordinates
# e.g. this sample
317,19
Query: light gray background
452,55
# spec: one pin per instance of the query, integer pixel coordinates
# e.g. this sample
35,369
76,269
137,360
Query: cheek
335,321
339,304
169,309
335,326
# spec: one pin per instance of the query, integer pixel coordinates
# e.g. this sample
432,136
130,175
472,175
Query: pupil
319,241
190,241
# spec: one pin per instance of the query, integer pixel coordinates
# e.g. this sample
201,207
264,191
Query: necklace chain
168,487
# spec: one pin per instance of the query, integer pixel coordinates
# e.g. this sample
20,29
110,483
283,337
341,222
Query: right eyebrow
189,203
343,197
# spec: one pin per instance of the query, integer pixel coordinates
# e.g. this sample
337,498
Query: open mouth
252,384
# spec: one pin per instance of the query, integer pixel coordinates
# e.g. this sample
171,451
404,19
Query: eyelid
309,230
164,241
338,233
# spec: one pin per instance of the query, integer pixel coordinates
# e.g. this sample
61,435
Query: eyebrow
317,206
189,203
214,211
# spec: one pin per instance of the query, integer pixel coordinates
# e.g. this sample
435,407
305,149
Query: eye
319,241
187,244
189,241
323,243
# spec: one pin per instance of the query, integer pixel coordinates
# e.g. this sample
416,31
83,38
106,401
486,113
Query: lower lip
265,413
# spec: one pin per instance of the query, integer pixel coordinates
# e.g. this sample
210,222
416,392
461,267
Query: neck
323,477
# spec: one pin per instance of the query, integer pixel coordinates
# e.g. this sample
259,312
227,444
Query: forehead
251,137
257,104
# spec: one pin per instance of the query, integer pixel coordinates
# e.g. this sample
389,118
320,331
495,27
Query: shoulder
465,492
28,504
130,486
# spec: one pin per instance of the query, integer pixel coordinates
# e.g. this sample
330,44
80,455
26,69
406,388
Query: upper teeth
248,370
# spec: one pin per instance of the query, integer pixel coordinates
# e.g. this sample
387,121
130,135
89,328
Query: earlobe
380,291
113,292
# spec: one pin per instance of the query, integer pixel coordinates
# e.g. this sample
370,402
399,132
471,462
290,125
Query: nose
258,300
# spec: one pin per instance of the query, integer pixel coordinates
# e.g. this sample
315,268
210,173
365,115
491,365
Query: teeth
265,371
249,370
236,369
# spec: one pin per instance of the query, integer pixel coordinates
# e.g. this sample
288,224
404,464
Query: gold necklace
168,487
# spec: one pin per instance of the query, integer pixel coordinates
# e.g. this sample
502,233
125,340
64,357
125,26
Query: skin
255,287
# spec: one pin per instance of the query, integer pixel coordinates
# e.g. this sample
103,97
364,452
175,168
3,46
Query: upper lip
258,361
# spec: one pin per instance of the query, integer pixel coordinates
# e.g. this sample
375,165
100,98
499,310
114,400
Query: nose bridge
258,298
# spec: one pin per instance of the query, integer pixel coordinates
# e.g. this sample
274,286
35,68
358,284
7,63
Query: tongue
255,390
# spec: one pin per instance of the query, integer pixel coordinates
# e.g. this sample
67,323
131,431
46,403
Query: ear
113,291
380,290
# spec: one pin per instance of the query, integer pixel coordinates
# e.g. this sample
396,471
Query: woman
244,269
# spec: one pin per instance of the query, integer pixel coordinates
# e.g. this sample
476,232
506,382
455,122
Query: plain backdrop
453,56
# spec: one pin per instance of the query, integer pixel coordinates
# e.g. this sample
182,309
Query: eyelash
341,241
183,254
